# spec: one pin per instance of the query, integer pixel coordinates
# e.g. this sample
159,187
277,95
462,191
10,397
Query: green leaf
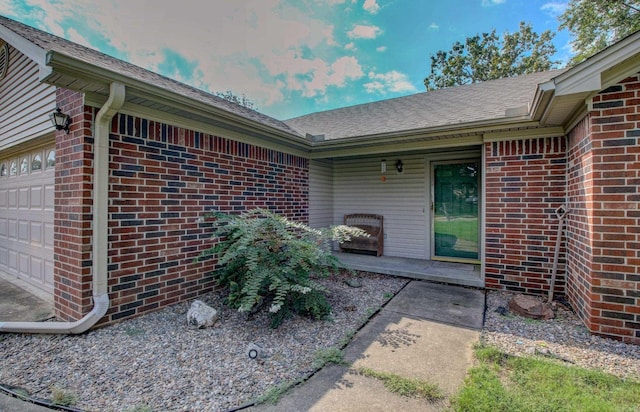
487,57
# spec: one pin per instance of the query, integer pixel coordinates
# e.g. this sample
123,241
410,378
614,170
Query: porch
463,274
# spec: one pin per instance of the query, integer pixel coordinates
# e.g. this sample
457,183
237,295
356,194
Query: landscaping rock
201,315
531,307
353,282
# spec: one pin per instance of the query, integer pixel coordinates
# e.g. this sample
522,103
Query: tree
596,24
487,57
241,100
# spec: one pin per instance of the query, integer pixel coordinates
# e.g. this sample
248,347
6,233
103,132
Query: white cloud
371,6
330,2
554,9
364,32
259,48
312,77
76,37
350,46
489,3
434,26
381,49
392,81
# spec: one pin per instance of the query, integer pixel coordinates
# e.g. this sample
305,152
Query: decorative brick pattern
525,184
162,180
604,194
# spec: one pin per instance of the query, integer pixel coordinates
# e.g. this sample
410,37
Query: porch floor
464,274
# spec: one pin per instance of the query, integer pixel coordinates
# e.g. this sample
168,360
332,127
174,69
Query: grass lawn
463,228
507,383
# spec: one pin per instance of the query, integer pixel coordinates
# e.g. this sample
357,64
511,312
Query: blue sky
290,57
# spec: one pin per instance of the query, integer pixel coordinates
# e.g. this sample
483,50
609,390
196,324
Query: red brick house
105,217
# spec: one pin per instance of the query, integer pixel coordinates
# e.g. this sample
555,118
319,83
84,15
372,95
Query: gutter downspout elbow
100,231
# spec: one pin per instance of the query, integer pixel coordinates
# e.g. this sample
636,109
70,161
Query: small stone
501,310
353,283
201,315
530,307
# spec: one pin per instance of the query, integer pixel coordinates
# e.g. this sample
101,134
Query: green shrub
267,260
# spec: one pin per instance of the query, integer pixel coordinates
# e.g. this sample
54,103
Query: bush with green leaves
268,261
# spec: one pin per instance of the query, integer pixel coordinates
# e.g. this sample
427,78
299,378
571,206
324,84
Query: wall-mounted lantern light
399,166
60,120
383,166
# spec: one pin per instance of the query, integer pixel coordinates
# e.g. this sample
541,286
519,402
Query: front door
455,209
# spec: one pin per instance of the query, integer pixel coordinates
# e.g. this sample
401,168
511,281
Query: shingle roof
49,42
439,108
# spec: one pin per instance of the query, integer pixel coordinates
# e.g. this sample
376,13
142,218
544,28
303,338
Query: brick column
72,215
605,247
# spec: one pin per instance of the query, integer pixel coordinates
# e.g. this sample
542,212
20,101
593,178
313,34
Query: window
3,170
51,159
36,162
24,166
13,169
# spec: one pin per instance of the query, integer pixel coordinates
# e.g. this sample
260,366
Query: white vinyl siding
400,199
320,193
25,103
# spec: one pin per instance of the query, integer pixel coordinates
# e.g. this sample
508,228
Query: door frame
430,162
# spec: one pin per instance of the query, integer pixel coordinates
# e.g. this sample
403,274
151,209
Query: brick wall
72,215
607,225
525,184
162,179
580,219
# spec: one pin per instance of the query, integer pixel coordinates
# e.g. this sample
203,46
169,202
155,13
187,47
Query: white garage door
26,216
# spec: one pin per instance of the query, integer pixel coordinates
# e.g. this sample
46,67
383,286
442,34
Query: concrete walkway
20,302
426,332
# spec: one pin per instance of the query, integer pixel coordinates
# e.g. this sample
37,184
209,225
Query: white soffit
588,75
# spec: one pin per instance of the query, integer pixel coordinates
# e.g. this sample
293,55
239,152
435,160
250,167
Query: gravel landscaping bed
159,363
564,338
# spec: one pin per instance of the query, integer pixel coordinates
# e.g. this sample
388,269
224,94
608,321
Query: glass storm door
455,210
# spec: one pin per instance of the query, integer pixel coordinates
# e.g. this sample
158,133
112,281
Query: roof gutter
470,128
100,232
542,100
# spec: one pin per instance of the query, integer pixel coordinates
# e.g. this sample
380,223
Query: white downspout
100,228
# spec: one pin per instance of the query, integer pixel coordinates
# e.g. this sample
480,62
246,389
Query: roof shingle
456,105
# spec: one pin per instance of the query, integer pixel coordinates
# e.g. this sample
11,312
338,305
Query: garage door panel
13,261
23,231
23,198
26,217
36,197
12,198
36,268
36,233
12,232
48,236
49,199
23,266
48,273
